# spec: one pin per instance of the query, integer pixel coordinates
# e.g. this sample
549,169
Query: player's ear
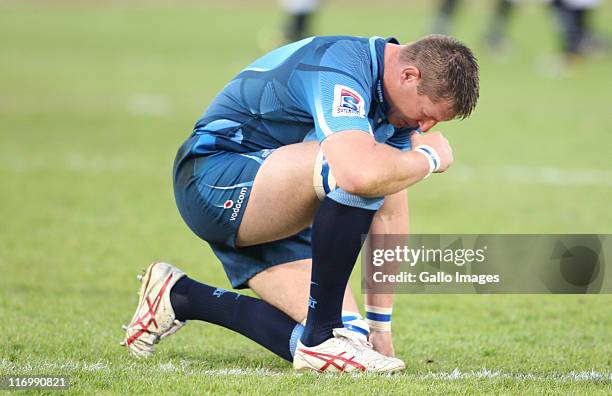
411,74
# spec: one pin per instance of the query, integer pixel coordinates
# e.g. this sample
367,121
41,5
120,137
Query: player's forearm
393,216
363,167
387,170
391,219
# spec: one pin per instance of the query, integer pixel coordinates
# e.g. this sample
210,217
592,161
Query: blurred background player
496,31
573,18
495,36
578,38
444,16
299,18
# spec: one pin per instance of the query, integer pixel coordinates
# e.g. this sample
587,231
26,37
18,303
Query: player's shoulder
344,47
341,40
345,55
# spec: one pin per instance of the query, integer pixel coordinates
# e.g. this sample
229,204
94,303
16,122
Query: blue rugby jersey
303,91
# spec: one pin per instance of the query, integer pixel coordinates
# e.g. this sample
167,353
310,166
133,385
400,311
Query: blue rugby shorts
211,193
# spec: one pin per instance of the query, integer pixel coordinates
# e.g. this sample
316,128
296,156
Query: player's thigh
282,200
287,287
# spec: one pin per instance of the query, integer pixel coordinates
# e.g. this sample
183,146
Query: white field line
145,104
138,104
74,162
457,374
513,174
518,174
66,367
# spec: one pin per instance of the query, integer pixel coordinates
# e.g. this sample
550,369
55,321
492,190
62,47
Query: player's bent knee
323,180
324,185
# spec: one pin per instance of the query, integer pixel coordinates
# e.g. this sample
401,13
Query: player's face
409,109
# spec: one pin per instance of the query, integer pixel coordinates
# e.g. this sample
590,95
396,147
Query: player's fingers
415,136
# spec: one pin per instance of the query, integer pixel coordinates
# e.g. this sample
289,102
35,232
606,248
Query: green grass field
96,98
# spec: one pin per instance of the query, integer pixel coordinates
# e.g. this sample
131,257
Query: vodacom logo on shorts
238,205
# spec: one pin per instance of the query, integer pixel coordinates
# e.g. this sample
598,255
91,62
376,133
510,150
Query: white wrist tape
378,318
432,157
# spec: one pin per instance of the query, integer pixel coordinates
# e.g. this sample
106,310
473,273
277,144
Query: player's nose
424,126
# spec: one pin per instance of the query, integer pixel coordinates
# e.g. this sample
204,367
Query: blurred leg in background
577,36
299,14
443,21
496,35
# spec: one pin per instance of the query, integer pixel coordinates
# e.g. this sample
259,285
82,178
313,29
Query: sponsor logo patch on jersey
347,103
228,204
238,205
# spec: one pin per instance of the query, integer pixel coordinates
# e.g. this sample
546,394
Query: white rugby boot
344,353
154,318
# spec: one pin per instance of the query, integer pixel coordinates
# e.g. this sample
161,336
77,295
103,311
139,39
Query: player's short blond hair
449,71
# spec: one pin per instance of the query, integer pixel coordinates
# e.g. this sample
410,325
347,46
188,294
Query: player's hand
382,342
439,143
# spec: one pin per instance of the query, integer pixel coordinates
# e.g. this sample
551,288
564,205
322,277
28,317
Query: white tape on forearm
432,157
378,318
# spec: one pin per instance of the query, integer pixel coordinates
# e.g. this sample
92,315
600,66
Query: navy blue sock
336,241
251,317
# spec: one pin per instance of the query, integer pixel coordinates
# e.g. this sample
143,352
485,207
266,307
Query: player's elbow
361,183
